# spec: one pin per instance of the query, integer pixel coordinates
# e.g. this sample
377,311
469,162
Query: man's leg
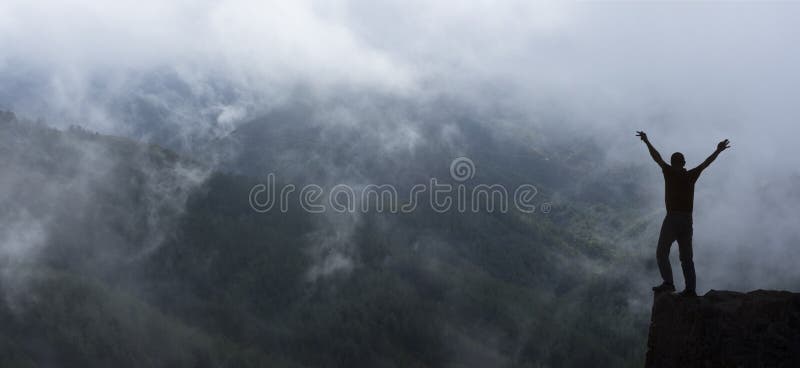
665,239
685,249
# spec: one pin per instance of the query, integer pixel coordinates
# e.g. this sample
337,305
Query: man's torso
679,189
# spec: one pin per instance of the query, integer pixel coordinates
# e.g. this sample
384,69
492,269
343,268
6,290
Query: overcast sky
715,65
690,74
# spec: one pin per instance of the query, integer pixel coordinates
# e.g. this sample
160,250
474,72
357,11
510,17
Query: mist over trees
131,135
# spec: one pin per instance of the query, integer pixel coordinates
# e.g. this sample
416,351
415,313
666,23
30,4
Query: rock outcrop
725,329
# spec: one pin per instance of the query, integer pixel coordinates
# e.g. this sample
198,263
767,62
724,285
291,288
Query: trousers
676,227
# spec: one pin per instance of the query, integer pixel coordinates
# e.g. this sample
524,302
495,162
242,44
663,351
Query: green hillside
221,285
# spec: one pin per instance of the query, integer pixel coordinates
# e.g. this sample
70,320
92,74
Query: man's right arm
653,152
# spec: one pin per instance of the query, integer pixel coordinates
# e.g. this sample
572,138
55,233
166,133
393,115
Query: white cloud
689,73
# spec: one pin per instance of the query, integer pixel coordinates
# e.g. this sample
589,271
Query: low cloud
184,74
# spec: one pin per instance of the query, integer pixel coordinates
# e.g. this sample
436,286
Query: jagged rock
725,329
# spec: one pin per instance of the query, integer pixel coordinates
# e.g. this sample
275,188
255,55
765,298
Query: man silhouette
677,225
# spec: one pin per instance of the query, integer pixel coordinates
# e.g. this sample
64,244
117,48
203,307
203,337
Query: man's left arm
720,147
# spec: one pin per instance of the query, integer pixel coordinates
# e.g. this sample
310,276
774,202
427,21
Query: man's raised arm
653,153
721,146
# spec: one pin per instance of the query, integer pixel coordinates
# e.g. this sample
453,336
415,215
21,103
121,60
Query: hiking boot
688,293
664,287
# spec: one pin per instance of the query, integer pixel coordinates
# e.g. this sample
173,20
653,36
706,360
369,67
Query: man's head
677,161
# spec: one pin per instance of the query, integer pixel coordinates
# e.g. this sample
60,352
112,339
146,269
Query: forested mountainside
122,253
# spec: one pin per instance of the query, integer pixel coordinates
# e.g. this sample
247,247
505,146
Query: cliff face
725,329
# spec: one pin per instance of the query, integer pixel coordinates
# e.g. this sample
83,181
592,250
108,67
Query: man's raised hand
723,145
642,135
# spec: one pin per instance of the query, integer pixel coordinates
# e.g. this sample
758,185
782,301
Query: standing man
677,225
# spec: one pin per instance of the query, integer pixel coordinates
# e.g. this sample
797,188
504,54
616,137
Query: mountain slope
372,289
